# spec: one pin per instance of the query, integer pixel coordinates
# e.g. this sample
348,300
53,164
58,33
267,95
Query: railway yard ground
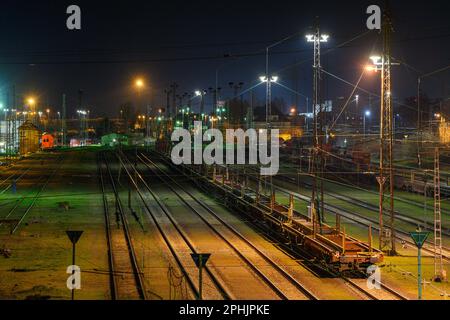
141,220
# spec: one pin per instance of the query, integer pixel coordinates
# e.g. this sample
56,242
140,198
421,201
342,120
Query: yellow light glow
139,83
370,68
31,101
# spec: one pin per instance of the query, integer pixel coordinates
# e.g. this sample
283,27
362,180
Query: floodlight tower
386,172
318,166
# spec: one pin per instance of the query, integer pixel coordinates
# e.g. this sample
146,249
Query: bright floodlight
309,37
198,93
370,68
376,60
368,113
263,79
324,38
31,101
274,79
139,83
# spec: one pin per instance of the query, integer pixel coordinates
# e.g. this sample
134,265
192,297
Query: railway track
175,239
235,240
16,177
385,292
396,198
21,203
11,177
112,278
121,253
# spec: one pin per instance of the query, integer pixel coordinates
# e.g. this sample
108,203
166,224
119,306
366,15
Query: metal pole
419,269
419,126
267,88
306,118
364,125
73,271
200,280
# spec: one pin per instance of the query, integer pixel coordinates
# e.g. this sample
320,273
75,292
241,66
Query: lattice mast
438,264
318,160
386,176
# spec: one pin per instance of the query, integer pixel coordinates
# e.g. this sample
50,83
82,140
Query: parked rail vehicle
329,246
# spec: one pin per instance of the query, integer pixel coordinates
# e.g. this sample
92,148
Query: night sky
185,41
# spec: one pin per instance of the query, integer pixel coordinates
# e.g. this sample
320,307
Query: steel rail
283,272
347,280
112,278
36,196
225,294
138,275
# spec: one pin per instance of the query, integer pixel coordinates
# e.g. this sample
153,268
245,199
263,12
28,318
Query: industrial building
29,136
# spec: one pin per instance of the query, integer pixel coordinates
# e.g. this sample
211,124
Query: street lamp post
48,119
60,126
139,84
32,104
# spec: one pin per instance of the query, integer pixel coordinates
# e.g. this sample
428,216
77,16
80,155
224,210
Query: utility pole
439,272
250,111
63,123
202,103
173,88
386,176
268,89
419,125
167,92
80,97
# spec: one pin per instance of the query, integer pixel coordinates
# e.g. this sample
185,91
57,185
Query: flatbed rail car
330,247
337,250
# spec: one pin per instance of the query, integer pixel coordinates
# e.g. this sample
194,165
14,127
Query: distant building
28,138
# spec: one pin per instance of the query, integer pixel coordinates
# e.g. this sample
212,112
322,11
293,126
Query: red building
47,141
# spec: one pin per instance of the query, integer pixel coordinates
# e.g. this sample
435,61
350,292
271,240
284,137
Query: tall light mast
386,176
318,157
